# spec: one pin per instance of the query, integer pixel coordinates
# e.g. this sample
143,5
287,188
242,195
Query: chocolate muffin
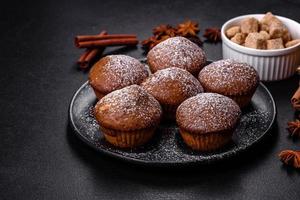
230,78
128,117
207,121
171,87
177,52
115,72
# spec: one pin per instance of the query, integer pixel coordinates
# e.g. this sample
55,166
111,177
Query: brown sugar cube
268,19
275,27
292,43
249,25
275,44
256,41
263,27
277,30
286,36
239,38
265,35
232,31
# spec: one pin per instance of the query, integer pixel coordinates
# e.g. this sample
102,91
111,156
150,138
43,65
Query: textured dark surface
167,148
39,156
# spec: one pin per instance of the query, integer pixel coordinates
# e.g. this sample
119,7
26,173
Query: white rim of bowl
252,51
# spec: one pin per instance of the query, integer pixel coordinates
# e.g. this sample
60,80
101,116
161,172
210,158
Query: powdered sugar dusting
172,85
230,76
208,112
177,52
127,108
117,71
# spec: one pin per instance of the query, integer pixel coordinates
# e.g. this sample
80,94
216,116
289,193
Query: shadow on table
214,177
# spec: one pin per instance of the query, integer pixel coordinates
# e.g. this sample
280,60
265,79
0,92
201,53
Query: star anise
196,40
149,43
188,28
162,32
212,34
160,39
290,157
153,41
294,128
171,32
164,29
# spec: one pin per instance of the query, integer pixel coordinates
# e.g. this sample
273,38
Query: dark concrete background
39,156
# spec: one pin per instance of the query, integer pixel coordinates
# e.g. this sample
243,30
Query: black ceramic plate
167,147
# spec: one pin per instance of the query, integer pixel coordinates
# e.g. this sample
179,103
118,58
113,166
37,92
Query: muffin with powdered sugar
177,52
207,121
128,117
235,80
171,87
115,72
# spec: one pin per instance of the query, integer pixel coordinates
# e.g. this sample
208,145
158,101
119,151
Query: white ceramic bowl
271,65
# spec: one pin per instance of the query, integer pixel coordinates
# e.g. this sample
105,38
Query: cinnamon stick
90,54
296,99
86,58
107,42
81,38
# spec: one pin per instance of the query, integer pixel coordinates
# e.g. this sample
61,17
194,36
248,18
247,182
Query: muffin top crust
176,52
207,113
129,108
230,77
115,72
172,85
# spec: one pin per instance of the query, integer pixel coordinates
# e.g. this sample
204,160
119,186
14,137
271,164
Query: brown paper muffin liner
98,94
241,100
206,142
127,139
169,112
